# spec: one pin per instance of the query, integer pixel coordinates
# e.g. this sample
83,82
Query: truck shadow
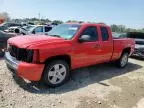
80,78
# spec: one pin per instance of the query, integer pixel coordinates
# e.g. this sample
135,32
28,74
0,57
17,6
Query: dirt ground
99,86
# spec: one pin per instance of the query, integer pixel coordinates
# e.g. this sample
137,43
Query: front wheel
122,62
56,73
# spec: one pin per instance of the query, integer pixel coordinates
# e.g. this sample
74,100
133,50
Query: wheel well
17,31
128,50
60,57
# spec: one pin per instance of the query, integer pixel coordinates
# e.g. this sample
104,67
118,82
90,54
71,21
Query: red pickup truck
66,47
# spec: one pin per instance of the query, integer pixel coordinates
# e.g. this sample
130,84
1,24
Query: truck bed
119,44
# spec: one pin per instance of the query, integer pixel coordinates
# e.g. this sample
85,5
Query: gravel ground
99,86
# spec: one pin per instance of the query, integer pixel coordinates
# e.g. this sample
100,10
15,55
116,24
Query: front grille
21,54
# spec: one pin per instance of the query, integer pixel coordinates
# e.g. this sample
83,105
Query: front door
88,52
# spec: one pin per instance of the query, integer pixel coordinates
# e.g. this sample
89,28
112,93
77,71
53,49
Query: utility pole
39,15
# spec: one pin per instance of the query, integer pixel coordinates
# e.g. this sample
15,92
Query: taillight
36,57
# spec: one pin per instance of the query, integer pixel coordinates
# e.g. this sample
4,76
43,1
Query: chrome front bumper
11,62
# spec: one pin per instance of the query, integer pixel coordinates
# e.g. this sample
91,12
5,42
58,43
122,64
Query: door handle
96,46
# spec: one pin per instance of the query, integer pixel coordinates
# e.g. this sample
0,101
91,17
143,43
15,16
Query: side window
47,29
92,32
39,29
104,33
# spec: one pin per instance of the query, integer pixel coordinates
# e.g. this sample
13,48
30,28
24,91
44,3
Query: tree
122,28
73,21
56,22
5,16
114,28
118,28
128,30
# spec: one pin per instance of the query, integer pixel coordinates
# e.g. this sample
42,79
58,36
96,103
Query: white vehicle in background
14,29
35,29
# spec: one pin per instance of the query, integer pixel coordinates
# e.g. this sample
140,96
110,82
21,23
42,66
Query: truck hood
26,41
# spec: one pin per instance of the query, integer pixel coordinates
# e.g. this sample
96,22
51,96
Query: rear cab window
104,33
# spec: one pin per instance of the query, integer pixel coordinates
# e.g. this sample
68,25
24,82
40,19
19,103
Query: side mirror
84,38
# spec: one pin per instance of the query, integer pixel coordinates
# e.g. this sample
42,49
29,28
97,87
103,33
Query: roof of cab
83,23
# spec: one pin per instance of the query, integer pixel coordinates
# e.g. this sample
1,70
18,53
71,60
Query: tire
122,62
56,73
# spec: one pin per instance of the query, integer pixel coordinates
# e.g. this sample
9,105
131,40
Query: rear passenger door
106,43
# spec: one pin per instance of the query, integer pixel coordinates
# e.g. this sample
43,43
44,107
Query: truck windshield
66,31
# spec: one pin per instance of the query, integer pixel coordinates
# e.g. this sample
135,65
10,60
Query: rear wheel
56,73
122,62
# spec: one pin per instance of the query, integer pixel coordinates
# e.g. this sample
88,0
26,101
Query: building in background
2,20
4,17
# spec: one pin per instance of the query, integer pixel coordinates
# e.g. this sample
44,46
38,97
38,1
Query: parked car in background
15,29
35,29
24,30
66,47
3,41
5,26
27,27
139,43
